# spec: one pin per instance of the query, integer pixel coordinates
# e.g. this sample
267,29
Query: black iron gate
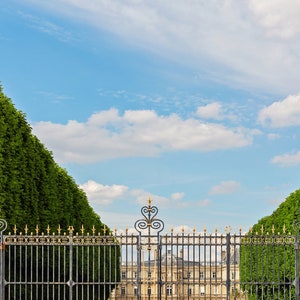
148,264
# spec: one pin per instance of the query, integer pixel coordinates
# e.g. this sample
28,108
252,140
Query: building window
123,275
134,274
149,274
135,290
188,275
214,275
190,291
233,275
201,275
149,290
123,290
169,290
202,290
216,290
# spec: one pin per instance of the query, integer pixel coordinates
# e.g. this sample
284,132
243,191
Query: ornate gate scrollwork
149,222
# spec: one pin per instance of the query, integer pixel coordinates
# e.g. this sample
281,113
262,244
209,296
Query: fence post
71,282
3,226
228,257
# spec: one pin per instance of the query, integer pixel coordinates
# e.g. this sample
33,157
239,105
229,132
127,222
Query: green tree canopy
34,190
268,252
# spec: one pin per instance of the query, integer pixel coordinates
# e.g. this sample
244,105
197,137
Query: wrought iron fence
148,264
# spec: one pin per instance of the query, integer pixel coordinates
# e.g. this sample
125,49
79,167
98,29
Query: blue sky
193,103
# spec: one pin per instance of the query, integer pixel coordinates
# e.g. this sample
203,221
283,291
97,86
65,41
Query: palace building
172,276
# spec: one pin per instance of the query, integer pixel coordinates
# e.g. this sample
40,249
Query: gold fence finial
15,229
59,229
149,201
71,229
48,229
37,229
26,229
228,229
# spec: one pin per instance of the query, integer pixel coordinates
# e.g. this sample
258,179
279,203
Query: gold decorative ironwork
71,230
268,240
149,221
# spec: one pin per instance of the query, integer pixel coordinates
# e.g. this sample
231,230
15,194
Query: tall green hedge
267,261
34,190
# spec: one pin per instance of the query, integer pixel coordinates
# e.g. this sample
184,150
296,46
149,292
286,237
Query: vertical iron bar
9,270
20,271
76,272
139,263
93,271
3,226
53,272
31,272
99,271
71,267
104,269
2,269
48,271
15,271
109,268
203,287
82,270
228,266
25,279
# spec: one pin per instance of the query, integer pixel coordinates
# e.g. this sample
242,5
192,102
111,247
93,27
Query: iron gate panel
60,267
147,264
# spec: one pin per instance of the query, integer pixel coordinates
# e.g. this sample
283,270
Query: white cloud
48,27
210,111
281,113
276,202
203,203
99,194
280,18
286,160
175,199
273,136
103,194
177,196
119,221
225,187
108,135
240,43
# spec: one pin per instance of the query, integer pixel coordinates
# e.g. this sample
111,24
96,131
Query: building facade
174,277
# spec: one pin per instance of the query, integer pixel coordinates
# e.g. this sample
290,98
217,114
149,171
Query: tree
34,189
268,253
